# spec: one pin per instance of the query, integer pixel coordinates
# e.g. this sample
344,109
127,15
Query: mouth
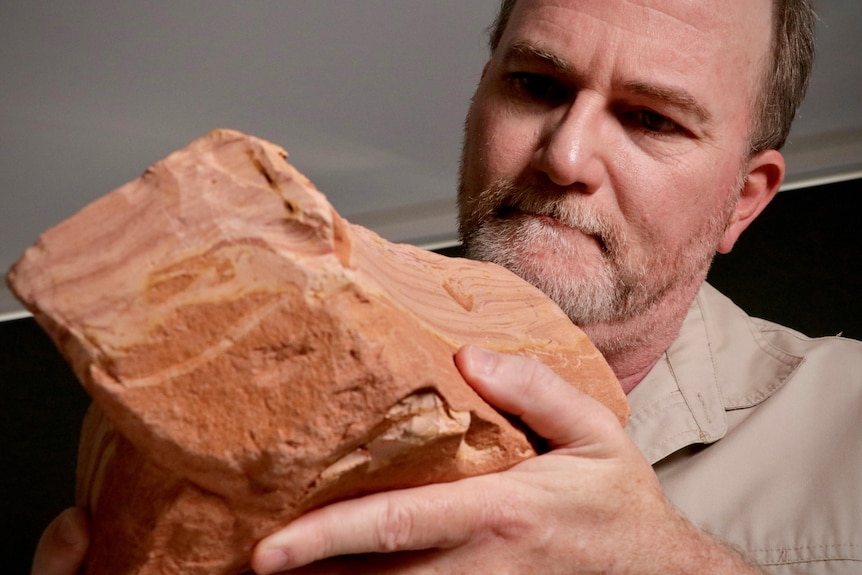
514,212
553,222
545,218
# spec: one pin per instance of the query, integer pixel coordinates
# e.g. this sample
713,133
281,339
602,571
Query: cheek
664,203
501,146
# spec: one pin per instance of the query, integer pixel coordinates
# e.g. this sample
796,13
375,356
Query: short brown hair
785,81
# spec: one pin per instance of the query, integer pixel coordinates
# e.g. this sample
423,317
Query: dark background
799,264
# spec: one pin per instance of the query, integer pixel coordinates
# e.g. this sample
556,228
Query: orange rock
252,355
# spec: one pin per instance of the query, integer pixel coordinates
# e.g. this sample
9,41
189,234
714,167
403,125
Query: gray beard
620,289
605,296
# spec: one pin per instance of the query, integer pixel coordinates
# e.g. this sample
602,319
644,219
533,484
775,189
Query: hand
591,504
63,545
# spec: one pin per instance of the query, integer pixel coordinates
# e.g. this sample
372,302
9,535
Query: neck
633,346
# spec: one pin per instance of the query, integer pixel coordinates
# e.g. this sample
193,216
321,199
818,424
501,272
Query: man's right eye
538,88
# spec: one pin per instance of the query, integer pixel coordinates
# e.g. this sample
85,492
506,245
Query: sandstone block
252,355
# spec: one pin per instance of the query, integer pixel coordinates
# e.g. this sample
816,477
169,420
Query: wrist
689,550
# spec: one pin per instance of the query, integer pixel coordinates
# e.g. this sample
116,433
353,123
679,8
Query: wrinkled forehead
725,44
687,10
741,25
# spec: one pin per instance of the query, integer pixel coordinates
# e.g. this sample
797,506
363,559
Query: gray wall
367,96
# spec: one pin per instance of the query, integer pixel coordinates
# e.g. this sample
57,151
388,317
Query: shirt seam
854,553
791,361
720,411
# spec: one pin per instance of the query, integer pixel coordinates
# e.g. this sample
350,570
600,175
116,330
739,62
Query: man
611,148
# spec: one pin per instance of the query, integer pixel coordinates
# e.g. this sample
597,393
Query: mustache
506,200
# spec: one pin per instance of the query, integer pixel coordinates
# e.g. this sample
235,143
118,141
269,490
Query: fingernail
482,360
68,530
270,561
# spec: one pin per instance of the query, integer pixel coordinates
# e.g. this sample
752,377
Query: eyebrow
523,50
673,96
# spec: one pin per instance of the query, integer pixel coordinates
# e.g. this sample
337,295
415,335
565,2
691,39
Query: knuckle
505,518
395,527
537,376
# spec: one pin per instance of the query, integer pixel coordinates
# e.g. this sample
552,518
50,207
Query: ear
764,175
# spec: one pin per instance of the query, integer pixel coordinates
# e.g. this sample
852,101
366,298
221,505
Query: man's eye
539,88
654,122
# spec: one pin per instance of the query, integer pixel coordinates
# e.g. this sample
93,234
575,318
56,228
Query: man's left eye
655,122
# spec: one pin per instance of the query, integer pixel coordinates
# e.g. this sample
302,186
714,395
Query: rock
251,355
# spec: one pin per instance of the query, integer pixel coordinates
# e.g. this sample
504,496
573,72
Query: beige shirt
755,432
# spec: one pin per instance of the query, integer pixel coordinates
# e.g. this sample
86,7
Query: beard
535,235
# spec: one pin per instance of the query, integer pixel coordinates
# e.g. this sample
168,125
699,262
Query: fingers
434,516
63,545
453,516
529,390
383,564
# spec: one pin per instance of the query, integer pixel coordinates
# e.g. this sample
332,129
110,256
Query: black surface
798,265
800,262
43,406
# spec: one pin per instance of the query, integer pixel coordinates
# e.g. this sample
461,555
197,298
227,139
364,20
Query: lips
549,218
514,212
554,222
545,217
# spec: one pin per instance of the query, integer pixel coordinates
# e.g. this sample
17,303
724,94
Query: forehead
695,13
716,47
725,32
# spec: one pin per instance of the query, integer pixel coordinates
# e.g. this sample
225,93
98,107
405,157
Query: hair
784,80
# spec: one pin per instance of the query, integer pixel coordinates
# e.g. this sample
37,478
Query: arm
591,504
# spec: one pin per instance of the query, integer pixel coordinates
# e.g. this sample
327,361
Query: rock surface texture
251,355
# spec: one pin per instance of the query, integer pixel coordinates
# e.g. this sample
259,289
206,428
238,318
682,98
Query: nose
570,145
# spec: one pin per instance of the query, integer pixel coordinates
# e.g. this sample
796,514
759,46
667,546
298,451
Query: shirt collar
719,361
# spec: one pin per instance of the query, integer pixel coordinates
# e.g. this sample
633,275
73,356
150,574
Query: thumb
63,545
551,407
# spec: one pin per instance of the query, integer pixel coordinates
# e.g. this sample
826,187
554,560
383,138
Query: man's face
606,143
